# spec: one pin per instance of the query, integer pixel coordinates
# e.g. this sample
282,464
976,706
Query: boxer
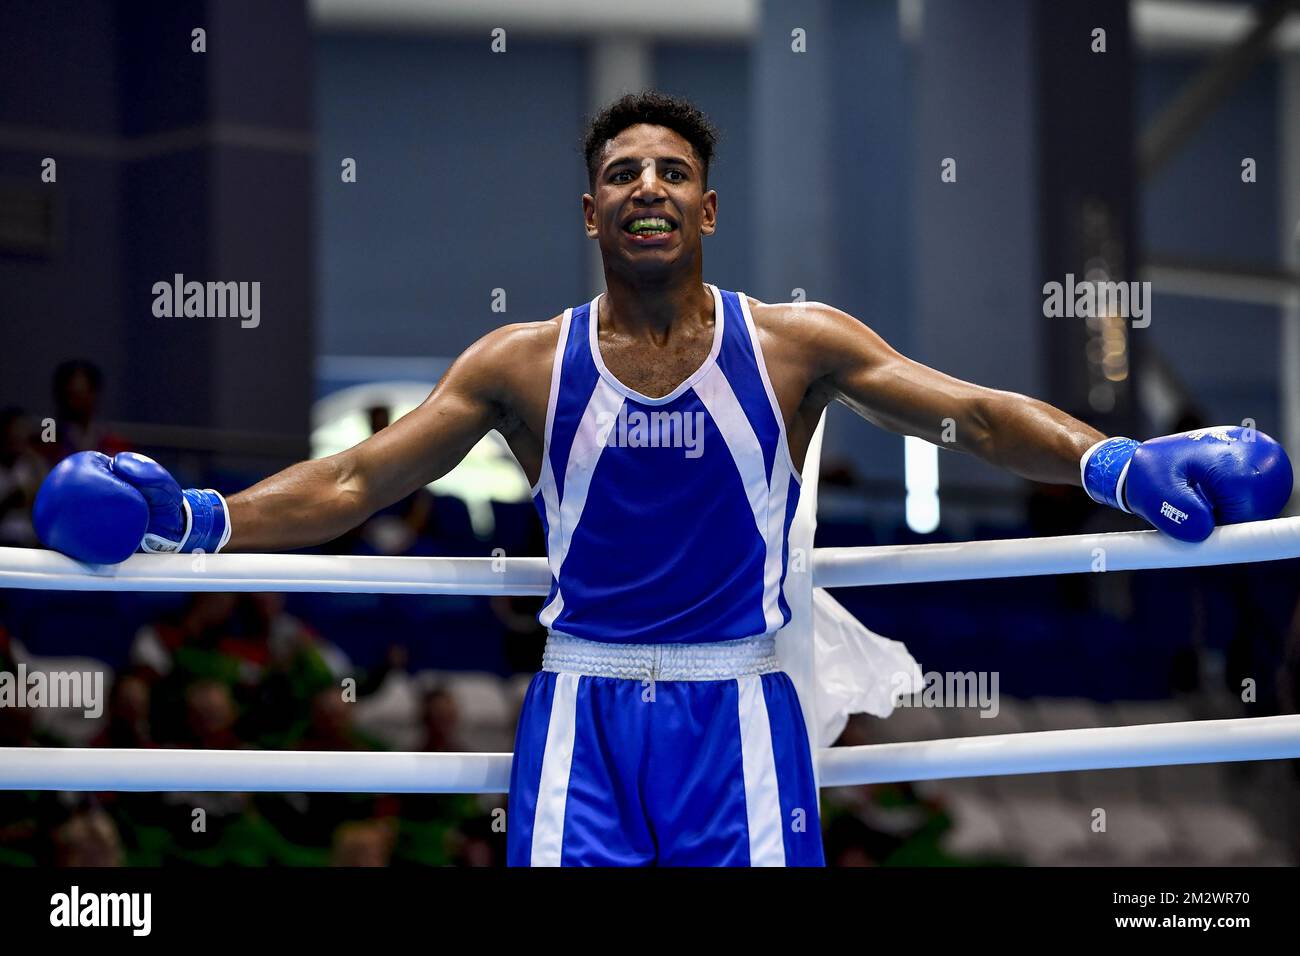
663,427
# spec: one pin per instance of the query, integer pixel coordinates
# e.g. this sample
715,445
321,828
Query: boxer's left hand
1188,483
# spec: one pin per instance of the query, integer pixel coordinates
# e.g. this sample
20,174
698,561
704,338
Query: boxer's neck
655,309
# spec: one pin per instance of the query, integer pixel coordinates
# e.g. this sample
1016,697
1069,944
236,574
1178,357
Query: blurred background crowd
1126,162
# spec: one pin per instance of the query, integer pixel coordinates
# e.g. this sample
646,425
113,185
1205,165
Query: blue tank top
666,519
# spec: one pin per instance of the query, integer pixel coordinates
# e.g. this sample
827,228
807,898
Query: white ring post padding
203,771
832,567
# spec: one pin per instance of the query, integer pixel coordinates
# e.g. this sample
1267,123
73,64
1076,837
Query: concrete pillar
217,186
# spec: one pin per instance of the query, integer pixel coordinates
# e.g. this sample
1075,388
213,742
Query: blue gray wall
462,188
1197,207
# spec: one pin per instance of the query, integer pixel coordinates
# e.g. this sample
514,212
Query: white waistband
725,660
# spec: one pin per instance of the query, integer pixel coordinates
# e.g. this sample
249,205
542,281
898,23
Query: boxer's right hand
89,513
100,510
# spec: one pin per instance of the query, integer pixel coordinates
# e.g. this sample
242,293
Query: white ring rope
249,771
1272,540
832,567
1260,738
49,570
202,771
1048,751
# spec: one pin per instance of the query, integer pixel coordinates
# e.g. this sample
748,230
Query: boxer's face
649,210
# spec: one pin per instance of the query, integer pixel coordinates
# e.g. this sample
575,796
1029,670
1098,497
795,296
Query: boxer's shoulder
511,365
800,332
796,321
529,335
525,347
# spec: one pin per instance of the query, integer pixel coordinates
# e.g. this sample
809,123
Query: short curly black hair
658,109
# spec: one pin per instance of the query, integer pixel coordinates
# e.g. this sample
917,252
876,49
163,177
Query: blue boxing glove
87,512
101,510
1185,484
186,521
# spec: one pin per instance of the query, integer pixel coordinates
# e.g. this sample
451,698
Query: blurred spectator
78,386
88,838
380,417
266,635
476,843
388,702
442,829
441,722
394,530
270,662
210,717
245,633
200,624
421,525
331,726
177,651
397,530
128,715
21,471
364,843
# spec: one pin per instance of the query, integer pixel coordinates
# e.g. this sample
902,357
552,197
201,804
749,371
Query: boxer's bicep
895,392
433,438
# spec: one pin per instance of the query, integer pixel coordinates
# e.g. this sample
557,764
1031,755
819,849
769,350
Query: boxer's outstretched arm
316,501
1022,434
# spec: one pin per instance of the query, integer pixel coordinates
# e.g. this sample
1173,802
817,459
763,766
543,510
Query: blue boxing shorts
662,755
